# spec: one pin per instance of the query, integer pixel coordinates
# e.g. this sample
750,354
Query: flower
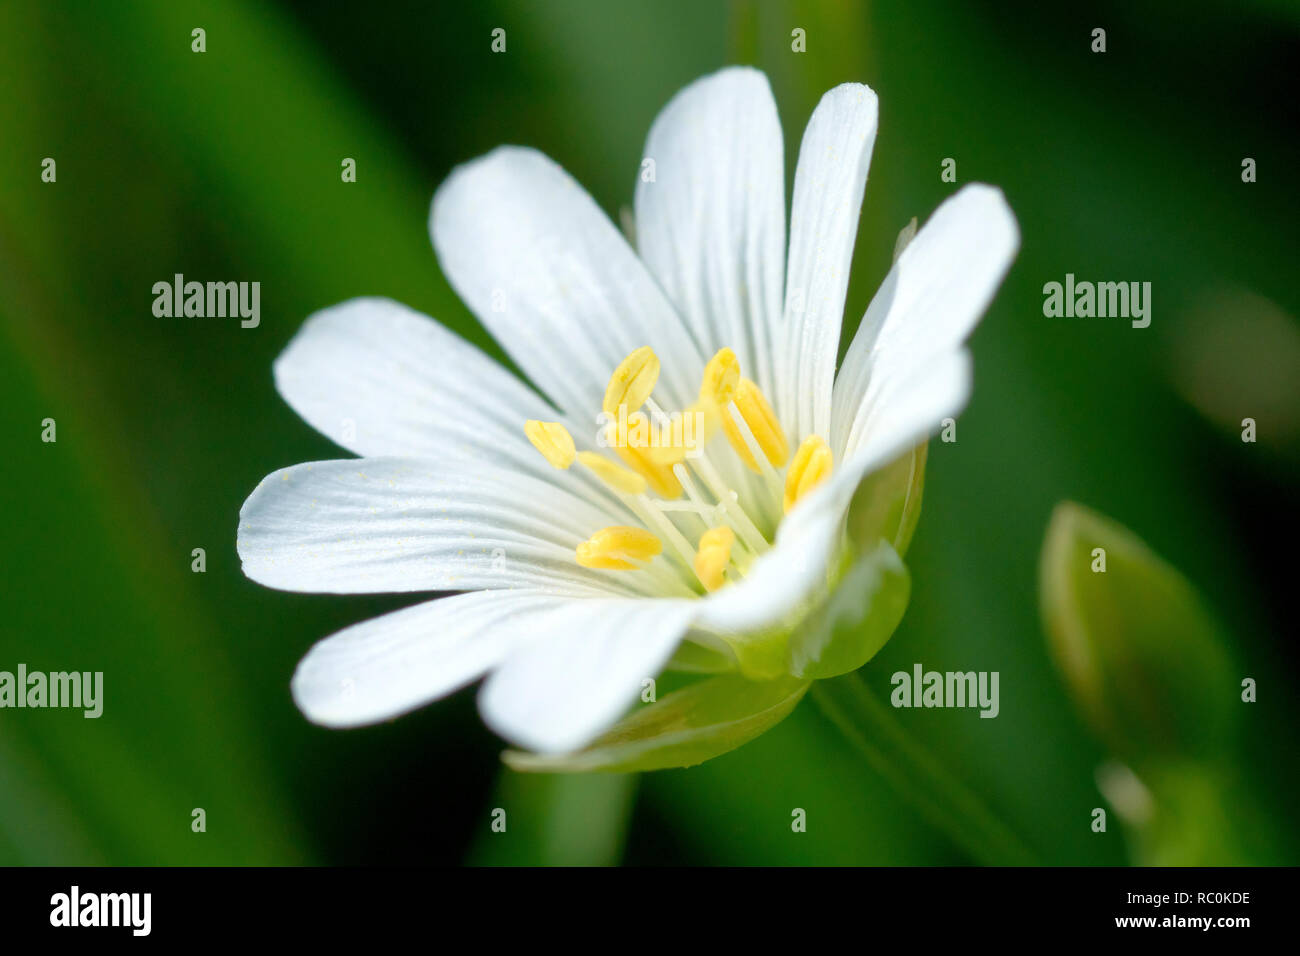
591,554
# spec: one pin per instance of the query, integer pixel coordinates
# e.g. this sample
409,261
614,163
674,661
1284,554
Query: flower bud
1137,648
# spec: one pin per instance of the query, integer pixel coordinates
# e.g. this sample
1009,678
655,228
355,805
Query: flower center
666,476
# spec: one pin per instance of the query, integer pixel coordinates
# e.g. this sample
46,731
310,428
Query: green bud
1137,648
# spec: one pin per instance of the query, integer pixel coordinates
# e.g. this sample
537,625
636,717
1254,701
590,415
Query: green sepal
682,729
693,658
887,503
857,618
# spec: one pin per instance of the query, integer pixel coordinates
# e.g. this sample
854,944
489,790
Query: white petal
408,524
389,665
559,692
899,414
782,584
929,303
828,185
554,281
381,379
711,225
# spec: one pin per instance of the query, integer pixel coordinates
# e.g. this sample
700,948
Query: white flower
450,494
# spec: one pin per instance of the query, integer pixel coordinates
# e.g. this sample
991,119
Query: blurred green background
225,165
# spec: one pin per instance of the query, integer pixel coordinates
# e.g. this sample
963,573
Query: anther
618,548
632,382
712,556
659,476
551,439
811,466
688,434
616,476
721,376
762,424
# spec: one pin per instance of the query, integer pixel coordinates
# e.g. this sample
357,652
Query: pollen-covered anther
811,466
688,434
632,382
551,439
618,548
659,475
762,424
712,556
616,476
721,377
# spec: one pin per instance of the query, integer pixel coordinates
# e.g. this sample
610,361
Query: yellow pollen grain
632,382
712,556
762,424
811,466
551,439
618,548
721,377
616,476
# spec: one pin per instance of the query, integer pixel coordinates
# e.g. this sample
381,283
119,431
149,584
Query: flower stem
940,797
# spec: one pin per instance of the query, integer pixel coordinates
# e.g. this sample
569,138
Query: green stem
940,797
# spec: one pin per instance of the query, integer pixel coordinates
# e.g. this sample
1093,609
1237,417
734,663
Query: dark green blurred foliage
225,165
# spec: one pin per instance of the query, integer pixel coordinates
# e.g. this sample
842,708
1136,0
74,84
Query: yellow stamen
689,433
667,455
632,382
707,417
811,466
618,548
616,476
721,376
658,457
762,424
712,557
553,440
660,477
